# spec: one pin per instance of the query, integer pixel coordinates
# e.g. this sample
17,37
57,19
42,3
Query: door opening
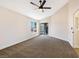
43,28
76,30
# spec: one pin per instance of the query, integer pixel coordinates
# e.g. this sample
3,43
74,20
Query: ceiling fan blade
46,8
44,1
34,4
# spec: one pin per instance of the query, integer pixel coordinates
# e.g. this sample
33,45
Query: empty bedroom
39,28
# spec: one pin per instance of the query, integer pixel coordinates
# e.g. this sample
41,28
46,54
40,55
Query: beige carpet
77,51
40,47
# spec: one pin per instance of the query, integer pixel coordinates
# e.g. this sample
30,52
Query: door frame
45,23
76,12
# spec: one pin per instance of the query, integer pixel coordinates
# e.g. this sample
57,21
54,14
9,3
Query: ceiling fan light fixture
42,3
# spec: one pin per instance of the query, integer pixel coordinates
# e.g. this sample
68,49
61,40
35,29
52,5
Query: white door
76,30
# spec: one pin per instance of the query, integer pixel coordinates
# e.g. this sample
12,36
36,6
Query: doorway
43,28
76,30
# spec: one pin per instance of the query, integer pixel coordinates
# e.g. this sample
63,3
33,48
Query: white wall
58,24
14,28
61,23
43,21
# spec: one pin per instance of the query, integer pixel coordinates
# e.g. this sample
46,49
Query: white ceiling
24,7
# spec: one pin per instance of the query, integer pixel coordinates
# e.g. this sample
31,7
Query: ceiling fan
42,3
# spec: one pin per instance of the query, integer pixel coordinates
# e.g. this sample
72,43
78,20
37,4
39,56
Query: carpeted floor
40,47
77,51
